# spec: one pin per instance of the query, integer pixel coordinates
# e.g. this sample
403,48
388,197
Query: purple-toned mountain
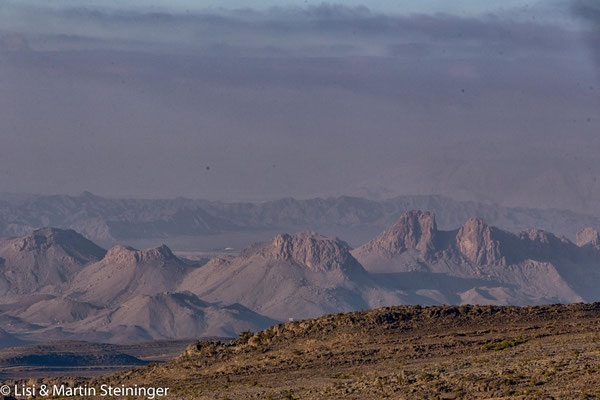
126,272
291,276
414,230
59,285
126,296
42,261
171,315
318,253
537,265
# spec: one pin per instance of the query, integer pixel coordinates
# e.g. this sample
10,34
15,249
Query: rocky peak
415,230
43,239
588,236
159,253
68,240
544,245
120,254
540,236
311,249
478,242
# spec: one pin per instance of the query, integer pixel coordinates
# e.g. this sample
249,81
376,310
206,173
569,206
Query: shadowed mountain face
110,221
531,266
43,260
8,340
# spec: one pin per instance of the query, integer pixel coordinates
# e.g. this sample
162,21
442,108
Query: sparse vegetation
402,352
505,344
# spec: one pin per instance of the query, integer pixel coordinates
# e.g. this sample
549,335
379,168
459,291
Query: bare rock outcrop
588,236
478,243
318,253
415,230
47,239
291,276
528,267
124,255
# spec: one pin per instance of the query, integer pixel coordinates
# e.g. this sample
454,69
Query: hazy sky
471,7
488,100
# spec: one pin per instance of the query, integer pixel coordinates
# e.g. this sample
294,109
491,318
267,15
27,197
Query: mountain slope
291,277
45,258
175,315
142,317
127,297
66,291
532,266
126,272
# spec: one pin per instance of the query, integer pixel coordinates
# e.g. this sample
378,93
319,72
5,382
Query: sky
491,101
470,7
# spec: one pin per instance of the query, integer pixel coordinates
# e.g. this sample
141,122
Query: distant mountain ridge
532,266
113,220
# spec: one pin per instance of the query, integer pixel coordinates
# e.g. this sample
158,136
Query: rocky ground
407,352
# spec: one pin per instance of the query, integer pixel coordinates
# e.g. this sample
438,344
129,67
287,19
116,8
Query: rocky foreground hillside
407,352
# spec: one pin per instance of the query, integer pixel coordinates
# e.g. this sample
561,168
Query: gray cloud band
589,12
327,29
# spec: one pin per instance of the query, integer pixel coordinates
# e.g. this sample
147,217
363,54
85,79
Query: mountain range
58,285
299,276
530,267
110,221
